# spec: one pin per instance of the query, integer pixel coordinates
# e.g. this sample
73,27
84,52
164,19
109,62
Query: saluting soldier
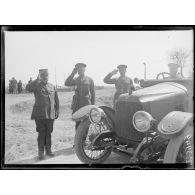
45,110
123,84
84,88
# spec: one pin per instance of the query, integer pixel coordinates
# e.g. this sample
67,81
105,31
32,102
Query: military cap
173,65
122,66
43,71
80,65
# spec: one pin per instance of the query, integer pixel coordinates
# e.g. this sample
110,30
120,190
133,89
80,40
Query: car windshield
185,72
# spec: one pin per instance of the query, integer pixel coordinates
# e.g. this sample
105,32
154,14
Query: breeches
44,127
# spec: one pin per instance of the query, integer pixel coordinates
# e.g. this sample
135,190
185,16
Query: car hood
155,92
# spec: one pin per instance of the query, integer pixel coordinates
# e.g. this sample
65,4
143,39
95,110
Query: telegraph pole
144,71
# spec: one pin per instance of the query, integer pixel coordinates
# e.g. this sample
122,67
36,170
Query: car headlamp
142,121
95,115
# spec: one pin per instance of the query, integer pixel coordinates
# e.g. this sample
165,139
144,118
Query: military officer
45,110
123,84
84,88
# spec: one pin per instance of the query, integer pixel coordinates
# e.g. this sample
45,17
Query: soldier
19,86
14,85
84,88
137,83
10,87
123,84
45,110
30,80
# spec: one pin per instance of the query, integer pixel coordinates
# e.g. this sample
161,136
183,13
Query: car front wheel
180,149
85,134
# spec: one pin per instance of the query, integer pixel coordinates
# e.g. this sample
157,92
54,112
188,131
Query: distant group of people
16,87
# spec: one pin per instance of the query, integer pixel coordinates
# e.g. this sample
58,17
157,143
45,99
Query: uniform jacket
122,84
84,91
46,100
14,83
19,85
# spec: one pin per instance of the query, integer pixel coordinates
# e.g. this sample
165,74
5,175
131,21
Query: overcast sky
102,51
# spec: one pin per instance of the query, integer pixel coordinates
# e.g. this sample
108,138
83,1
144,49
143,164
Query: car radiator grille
124,125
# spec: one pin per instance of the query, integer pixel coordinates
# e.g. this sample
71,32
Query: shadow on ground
33,160
68,156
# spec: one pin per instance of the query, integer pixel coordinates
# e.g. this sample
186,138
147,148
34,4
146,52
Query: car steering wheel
164,73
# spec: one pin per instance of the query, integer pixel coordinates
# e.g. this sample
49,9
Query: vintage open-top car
151,125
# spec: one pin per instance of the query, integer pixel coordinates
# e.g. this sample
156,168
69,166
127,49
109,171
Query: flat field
20,131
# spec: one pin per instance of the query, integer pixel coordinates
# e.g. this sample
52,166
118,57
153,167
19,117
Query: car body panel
82,112
187,82
158,100
173,123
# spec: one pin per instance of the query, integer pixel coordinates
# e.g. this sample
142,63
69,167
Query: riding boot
41,155
49,152
41,143
48,144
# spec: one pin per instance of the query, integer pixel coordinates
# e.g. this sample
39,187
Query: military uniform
123,84
44,112
84,91
19,87
29,81
10,87
14,86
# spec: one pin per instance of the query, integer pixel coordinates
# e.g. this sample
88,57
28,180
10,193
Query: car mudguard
82,113
174,123
103,135
175,144
110,115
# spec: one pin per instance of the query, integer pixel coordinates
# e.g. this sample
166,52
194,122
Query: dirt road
68,156
20,134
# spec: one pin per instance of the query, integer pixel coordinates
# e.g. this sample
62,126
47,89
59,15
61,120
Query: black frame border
27,28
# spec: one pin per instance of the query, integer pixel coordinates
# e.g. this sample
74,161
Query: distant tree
179,56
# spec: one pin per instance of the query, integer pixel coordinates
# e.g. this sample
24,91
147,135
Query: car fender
174,123
110,113
82,113
175,144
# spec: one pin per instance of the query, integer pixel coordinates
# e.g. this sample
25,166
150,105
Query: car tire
177,144
80,136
